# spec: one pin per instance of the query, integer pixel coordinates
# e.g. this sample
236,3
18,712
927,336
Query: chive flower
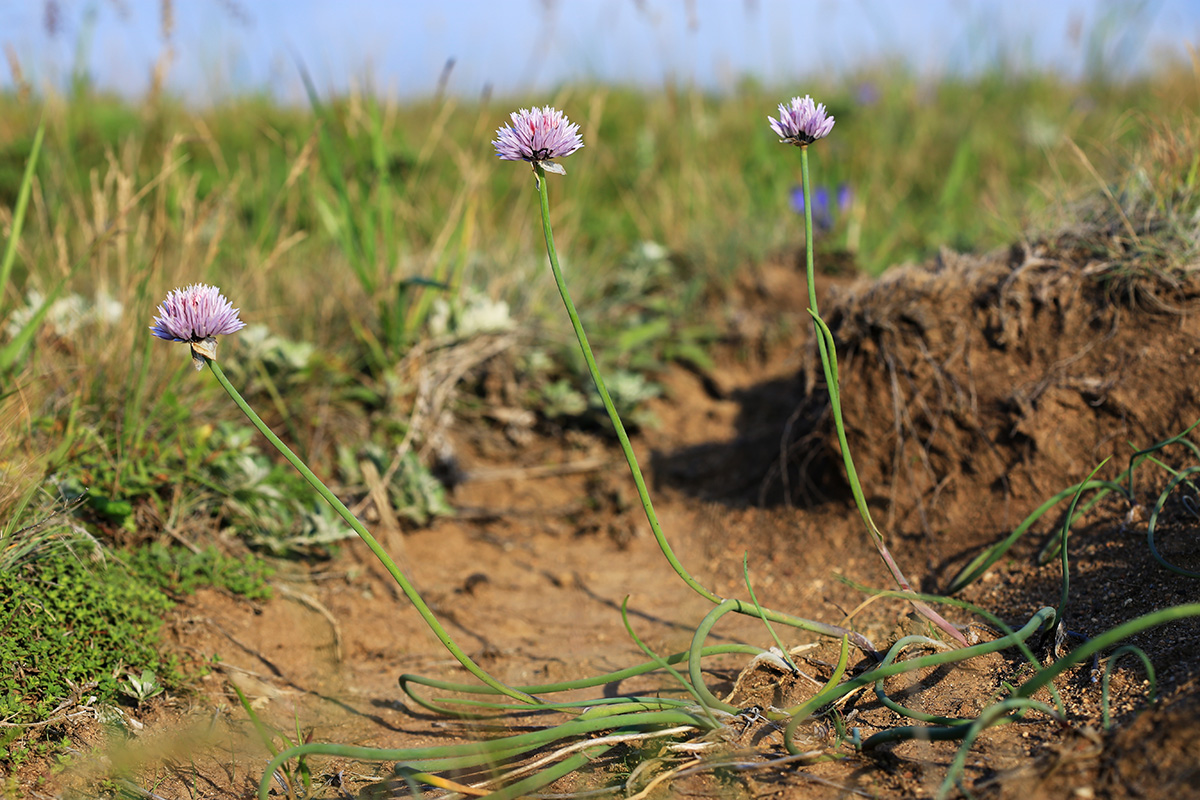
538,135
197,315
801,122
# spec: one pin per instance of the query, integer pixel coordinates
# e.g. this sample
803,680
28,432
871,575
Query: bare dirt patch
975,389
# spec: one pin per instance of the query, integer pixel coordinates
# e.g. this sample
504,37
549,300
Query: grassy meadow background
363,240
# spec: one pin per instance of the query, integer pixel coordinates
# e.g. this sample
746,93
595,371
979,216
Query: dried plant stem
388,564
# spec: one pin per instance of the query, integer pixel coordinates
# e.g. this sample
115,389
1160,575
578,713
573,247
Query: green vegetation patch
70,629
180,572
81,629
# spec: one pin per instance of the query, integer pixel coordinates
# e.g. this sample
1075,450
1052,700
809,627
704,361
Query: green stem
485,752
802,712
763,615
388,564
829,366
643,494
881,695
18,214
1004,711
1107,639
1065,593
699,691
1113,658
982,562
623,437
1152,527
697,648
809,273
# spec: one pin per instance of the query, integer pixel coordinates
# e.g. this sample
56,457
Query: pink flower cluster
802,121
538,135
195,314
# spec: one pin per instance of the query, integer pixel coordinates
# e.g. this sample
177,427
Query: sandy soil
975,389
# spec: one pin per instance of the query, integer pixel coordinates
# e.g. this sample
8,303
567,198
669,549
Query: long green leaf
10,248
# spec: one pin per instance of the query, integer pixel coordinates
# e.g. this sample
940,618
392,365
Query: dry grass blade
1087,162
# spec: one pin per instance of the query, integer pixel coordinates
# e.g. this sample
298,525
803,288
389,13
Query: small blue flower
845,198
798,199
822,210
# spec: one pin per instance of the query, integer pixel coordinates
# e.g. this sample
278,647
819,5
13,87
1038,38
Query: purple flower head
196,315
538,135
802,121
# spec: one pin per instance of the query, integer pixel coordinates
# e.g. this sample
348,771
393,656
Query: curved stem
1004,711
639,481
1113,658
388,564
1152,527
829,364
1106,639
622,436
1065,593
762,614
803,711
881,695
699,691
476,753
982,562
706,625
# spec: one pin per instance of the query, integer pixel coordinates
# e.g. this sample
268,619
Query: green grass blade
358,250
18,220
12,351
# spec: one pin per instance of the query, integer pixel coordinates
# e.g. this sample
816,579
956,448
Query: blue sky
513,46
